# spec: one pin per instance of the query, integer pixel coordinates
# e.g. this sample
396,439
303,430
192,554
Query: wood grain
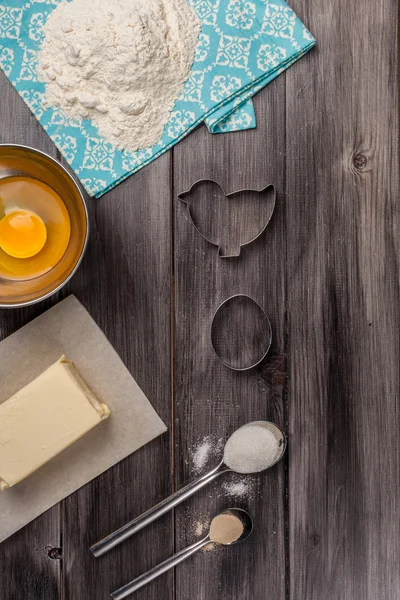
342,192
211,399
26,568
326,271
125,283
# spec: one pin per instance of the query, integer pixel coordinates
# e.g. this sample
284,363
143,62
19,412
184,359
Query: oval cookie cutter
183,195
266,336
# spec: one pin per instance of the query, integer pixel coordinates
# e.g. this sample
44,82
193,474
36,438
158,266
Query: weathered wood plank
343,304
326,270
26,569
209,398
125,282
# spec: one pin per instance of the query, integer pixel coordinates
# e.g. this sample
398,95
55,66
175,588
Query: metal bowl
18,160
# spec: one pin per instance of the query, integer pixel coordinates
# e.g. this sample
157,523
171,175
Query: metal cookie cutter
241,333
237,213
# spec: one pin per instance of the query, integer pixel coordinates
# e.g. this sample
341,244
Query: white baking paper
68,329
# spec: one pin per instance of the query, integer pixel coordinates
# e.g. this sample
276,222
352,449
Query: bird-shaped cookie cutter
183,195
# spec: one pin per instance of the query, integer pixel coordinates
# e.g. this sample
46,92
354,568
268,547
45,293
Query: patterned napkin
243,45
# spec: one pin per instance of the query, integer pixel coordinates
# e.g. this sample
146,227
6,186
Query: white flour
120,63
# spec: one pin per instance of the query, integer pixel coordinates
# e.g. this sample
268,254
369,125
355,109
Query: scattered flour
120,63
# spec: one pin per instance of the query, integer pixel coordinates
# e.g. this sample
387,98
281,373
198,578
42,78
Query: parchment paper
68,329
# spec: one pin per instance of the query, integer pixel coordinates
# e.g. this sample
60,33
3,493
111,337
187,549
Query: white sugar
251,449
202,454
237,489
206,451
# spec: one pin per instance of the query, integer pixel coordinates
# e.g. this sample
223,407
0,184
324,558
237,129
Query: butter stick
43,418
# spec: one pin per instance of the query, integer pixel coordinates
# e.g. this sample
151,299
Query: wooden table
326,270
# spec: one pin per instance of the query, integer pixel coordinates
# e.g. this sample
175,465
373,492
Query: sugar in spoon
179,557
225,466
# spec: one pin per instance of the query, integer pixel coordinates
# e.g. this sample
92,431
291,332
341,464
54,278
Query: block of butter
43,418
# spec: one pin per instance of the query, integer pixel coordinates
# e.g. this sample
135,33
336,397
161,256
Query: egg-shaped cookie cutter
268,339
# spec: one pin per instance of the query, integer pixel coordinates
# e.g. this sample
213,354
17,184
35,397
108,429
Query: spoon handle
155,572
124,532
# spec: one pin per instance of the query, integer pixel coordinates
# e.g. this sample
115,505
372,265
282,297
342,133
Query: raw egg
35,228
22,233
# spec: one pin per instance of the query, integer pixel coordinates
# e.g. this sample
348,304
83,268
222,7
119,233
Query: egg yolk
22,233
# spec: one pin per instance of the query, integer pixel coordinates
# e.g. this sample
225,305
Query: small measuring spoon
124,532
179,557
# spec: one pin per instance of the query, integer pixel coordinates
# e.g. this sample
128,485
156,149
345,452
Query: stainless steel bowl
18,160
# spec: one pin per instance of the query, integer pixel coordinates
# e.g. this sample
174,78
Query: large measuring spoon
124,532
179,557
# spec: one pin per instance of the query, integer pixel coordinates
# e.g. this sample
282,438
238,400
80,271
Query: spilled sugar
206,451
250,449
201,455
238,488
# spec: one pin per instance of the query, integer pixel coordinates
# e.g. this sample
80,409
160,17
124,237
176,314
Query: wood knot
315,539
274,370
360,162
55,553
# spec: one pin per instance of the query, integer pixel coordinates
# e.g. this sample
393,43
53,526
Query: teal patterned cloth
243,45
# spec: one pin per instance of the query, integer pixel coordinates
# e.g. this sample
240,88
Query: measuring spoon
124,532
179,557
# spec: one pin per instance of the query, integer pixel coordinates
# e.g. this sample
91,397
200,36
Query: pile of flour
120,63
